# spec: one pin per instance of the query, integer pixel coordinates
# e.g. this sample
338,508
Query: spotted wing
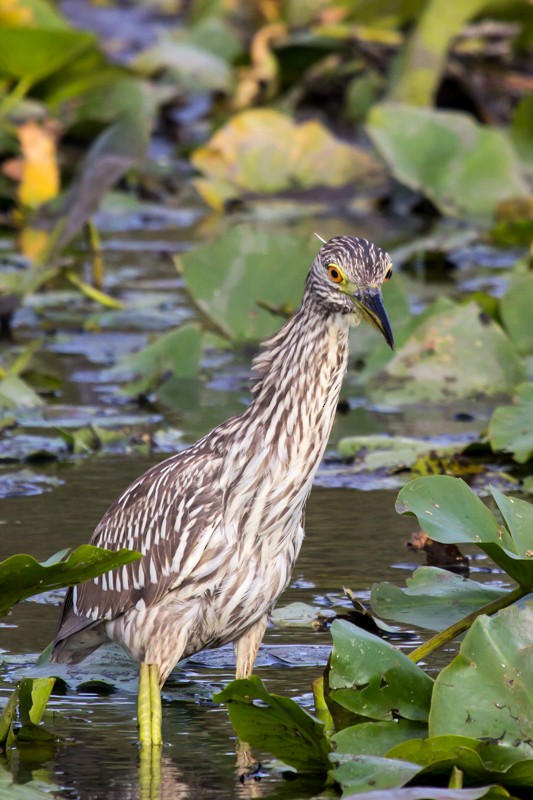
172,515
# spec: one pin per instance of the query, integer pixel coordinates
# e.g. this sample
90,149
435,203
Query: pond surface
354,537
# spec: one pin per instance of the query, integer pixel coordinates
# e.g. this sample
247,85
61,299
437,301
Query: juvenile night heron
220,523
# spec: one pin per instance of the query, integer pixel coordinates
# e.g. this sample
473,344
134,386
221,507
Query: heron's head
346,278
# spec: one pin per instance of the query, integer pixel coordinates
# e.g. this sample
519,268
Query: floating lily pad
301,615
233,278
457,354
175,354
374,679
360,772
262,150
485,692
433,599
511,427
463,167
191,66
425,792
479,761
393,453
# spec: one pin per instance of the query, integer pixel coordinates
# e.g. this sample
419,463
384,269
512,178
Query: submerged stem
463,624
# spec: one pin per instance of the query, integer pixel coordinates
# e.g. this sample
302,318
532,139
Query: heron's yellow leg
149,713
156,718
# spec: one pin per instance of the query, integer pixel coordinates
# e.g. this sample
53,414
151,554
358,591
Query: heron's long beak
370,304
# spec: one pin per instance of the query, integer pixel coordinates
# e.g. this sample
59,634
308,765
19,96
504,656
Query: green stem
450,633
16,95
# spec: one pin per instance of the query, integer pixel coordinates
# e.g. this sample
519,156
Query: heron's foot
149,712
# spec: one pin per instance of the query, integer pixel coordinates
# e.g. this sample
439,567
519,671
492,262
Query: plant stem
450,633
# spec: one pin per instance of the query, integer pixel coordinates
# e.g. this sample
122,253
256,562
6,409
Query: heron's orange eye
388,275
334,274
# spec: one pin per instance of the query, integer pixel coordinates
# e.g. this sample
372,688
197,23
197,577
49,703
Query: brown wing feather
168,514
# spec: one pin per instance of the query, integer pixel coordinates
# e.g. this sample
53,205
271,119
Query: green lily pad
457,354
278,725
515,309
434,598
301,615
449,511
174,354
478,761
393,453
358,773
191,66
486,691
372,678
511,427
22,576
377,738
425,792
463,167
233,278
262,150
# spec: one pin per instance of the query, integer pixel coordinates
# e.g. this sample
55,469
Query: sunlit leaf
276,724
511,427
22,576
374,679
433,599
464,168
486,691
459,353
